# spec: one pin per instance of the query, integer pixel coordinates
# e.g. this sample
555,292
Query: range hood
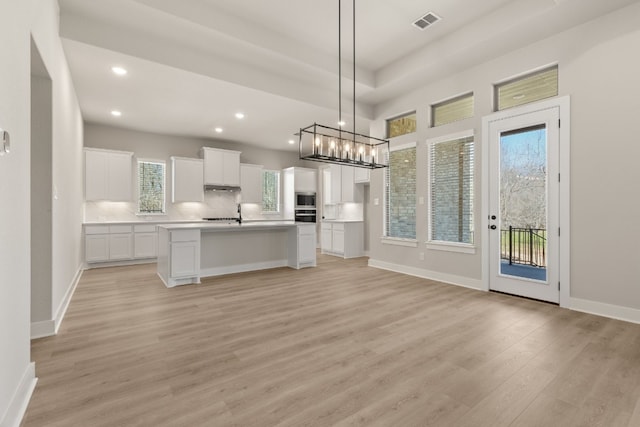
217,187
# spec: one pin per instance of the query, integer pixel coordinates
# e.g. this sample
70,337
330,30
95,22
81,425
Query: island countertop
234,226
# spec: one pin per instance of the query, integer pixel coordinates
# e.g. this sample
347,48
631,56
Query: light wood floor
342,344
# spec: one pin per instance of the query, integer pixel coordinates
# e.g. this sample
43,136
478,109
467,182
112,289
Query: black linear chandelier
328,144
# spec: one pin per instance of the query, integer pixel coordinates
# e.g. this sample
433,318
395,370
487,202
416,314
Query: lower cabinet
106,243
178,256
184,256
344,239
145,241
305,242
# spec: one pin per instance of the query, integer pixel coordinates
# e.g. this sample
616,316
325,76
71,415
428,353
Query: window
523,90
400,194
270,191
401,125
151,187
452,110
451,190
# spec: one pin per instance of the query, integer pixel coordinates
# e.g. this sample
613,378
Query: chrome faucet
239,213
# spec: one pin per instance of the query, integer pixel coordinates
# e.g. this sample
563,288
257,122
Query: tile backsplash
216,204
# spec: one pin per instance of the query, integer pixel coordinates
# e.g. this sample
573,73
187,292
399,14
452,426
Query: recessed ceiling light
219,130
119,71
291,141
116,113
342,123
239,115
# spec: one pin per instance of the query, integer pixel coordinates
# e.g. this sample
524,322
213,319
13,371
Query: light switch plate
421,200
376,201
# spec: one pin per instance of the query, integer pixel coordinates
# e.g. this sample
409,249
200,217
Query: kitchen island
188,252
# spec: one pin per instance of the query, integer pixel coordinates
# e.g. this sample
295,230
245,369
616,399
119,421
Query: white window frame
441,245
164,186
389,240
277,211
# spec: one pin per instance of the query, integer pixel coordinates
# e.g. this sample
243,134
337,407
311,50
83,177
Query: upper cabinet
187,180
304,180
221,167
362,175
251,183
339,185
108,175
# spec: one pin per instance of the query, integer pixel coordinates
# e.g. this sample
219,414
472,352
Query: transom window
452,110
401,125
151,187
529,88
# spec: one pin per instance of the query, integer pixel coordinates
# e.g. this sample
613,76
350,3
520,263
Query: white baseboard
45,328
18,405
428,274
603,309
241,268
123,263
49,328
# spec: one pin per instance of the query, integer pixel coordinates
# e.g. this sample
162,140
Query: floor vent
426,21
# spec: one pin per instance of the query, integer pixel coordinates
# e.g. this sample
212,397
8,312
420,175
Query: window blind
451,165
452,110
400,194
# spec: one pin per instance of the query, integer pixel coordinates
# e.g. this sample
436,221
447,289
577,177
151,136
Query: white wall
37,19
600,73
147,145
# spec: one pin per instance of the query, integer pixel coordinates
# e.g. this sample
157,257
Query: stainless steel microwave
305,200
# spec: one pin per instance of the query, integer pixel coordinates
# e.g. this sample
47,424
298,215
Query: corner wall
598,73
38,20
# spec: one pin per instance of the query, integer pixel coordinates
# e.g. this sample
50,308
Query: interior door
524,204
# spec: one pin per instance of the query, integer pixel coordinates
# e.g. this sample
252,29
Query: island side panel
225,252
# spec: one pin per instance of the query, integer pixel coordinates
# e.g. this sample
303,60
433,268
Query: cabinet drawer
144,228
185,235
326,226
119,229
96,229
306,230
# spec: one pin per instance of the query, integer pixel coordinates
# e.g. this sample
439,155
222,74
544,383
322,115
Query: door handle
493,226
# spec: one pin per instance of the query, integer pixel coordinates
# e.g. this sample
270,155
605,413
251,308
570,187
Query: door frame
564,205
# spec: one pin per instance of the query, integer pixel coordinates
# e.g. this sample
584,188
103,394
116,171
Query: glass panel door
523,192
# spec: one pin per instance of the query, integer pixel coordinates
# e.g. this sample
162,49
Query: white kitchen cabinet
184,256
187,180
343,238
304,180
120,242
221,167
108,175
251,183
326,240
145,241
96,247
337,238
307,244
362,175
341,185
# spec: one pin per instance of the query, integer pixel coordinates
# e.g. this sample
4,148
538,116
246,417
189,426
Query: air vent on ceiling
426,21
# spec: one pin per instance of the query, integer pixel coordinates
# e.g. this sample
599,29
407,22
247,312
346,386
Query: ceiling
193,64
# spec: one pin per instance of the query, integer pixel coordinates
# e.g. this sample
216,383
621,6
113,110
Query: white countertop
212,226
342,220
142,221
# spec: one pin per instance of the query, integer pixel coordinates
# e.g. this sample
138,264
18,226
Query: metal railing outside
526,246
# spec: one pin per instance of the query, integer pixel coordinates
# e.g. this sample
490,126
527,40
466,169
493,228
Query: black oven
305,215
305,200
